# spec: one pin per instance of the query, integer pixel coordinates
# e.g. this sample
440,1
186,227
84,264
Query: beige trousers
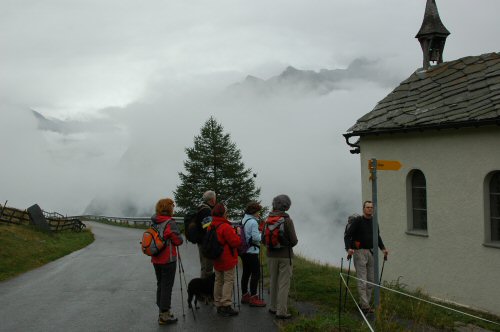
363,263
280,273
223,288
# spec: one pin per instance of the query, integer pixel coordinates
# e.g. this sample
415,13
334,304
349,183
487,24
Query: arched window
418,201
495,207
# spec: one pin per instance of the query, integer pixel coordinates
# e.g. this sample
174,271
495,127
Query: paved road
110,286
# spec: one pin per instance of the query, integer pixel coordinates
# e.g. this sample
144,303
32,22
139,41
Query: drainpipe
356,148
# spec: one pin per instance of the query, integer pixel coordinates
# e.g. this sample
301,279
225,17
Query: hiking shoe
256,302
166,318
284,316
245,299
227,311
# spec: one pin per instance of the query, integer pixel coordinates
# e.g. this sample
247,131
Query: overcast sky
132,82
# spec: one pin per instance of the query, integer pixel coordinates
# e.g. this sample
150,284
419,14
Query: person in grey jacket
250,259
280,259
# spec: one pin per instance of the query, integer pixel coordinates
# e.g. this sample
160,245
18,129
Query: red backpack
152,239
274,232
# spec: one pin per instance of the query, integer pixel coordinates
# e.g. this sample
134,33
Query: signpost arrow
385,165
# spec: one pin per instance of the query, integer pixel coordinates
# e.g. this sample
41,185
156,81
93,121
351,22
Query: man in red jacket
224,265
165,262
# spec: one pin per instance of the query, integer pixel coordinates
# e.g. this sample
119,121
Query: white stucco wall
451,262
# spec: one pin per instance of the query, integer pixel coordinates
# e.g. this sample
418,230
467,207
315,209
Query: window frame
410,187
489,241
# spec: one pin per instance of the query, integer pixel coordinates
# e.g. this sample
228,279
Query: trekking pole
238,287
181,271
381,272
182,267
349,258
234,294
182,292
293,279
261,287
340,287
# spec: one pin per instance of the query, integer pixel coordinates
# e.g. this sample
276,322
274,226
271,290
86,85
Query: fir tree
214,163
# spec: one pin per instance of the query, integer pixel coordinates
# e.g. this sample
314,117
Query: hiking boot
166,318
245,299
256,302
227,311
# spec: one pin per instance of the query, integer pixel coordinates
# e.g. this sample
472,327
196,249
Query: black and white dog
201,289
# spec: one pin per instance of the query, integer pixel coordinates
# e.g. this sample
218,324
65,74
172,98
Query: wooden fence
56,221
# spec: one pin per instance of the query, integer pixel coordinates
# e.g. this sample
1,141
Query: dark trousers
251,270
165,276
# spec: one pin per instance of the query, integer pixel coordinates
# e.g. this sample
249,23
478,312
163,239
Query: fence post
3,207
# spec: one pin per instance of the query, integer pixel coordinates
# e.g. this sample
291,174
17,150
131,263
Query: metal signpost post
373,166
373,171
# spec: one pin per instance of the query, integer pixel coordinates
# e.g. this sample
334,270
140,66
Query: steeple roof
432,24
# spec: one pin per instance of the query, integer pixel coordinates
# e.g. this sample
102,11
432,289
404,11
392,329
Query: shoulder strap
248,220
250,240
160,228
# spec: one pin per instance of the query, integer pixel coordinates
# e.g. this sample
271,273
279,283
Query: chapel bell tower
432,35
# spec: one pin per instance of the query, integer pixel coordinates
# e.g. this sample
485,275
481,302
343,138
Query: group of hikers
277,233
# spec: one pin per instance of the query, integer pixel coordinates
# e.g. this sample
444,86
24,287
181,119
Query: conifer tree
214,163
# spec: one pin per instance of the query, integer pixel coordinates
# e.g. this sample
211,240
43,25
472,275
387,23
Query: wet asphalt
110,286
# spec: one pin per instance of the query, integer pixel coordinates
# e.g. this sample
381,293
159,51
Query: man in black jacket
360,246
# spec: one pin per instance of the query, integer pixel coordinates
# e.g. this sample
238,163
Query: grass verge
24,248
319,284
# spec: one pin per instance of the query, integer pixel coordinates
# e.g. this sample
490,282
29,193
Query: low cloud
123,163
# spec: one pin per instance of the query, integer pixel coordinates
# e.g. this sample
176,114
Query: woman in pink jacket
224,265
165,262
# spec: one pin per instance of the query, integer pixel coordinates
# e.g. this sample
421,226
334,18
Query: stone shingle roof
460,93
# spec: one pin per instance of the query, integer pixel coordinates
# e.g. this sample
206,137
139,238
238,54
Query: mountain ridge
310,82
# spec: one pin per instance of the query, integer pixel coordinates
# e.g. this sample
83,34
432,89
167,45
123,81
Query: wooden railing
56,221
14,216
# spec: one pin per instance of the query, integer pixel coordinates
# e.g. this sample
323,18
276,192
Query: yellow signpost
385,165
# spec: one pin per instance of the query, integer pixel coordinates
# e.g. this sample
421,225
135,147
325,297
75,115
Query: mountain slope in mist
309,82
68,127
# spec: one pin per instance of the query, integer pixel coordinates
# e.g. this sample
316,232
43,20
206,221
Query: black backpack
348,240
194,228
211,247
191,225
